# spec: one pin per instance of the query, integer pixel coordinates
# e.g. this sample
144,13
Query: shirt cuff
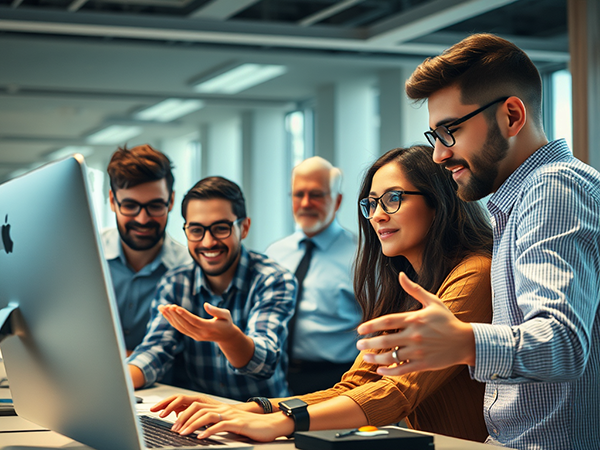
494,352
144,363
258,363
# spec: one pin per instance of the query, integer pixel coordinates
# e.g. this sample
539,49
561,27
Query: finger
178,404
383,341
191,413
388,322
199,420
219,313
163,403
219,427
417,292
399,369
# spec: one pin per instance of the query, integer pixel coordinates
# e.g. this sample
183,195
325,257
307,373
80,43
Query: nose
441,153
305,202
208,240
143,216
379,215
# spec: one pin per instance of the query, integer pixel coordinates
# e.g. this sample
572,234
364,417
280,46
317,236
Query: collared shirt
261,301
328,313
135,291
540,357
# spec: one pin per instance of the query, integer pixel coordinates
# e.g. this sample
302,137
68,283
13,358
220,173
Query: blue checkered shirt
261,299
540,357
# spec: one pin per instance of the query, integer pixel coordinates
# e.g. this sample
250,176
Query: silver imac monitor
59,327
61,346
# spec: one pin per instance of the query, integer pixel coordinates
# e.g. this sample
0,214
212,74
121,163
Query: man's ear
338,202
245,227
515,114
171,200
111,201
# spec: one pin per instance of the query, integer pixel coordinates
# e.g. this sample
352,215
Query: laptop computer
60,331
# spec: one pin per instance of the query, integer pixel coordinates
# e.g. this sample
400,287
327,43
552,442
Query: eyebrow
198,224
127,199
395,188
444,122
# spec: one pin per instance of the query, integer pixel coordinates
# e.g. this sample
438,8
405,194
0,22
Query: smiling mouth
385,233
211,254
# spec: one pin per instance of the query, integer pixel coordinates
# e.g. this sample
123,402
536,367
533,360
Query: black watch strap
297,410
301,418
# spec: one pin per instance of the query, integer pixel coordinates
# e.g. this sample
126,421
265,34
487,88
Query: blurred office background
247,88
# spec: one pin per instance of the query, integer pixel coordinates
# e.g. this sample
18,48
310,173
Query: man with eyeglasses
138,250
226,314
540,357
322,341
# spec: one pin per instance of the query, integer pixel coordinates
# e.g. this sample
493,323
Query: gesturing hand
431,338
217,329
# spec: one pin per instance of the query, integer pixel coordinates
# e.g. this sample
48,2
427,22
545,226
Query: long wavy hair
459,229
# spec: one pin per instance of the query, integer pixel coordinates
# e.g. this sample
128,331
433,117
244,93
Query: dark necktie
300,274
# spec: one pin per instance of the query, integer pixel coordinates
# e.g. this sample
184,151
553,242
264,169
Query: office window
562,122
294,127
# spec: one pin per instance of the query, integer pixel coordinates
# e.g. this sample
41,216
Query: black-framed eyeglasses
131,208
444,132
219,230
390,202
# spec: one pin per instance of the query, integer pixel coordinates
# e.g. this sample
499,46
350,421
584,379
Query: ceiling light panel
170,109
114,134
240,78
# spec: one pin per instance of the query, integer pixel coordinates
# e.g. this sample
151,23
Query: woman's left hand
219,418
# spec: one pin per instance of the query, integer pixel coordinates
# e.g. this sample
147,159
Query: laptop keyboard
158,434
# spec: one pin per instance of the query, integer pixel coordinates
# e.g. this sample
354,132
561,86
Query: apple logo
6,240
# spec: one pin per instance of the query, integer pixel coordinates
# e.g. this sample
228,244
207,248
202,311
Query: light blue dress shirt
540,357
328,313
135,291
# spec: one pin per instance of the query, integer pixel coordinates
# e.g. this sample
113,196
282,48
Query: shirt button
495,431
495,376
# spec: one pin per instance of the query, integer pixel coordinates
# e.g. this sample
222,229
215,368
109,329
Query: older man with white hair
322,333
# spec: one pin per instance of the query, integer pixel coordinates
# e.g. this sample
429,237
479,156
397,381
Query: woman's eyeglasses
390,202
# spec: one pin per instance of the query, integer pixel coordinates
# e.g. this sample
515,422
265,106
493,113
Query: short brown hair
484,67
138,165
216,187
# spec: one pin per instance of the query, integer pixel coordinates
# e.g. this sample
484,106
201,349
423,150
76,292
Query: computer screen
62,343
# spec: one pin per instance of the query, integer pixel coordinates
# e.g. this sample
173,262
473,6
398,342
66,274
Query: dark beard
484,167
145,243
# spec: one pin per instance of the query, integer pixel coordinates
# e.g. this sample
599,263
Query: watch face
292,403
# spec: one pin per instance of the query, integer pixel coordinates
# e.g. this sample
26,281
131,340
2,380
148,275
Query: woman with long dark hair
411,221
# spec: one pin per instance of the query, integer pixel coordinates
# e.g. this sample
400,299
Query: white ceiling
70,67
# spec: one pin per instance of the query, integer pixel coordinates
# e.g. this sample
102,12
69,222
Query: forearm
137,376
338,412
238,349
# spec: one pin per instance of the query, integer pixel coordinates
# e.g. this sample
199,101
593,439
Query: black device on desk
395,439
60,331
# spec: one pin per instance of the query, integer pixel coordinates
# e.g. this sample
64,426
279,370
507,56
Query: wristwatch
297,410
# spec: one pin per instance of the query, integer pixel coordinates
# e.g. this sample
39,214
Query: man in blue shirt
323,345
226,313
540,357
138,250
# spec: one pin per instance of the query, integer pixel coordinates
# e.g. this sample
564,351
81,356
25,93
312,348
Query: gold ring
395,355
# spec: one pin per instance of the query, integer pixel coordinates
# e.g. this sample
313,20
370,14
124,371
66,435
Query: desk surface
17,433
